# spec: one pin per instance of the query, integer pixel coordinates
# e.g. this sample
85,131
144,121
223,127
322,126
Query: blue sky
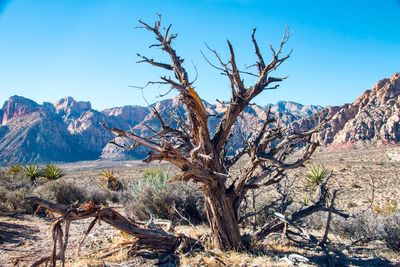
87,49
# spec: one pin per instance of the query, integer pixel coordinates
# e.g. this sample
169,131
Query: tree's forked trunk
221,216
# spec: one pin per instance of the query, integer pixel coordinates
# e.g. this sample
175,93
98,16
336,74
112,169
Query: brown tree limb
156,240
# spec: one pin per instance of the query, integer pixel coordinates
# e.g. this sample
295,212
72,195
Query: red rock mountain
372,119
69,130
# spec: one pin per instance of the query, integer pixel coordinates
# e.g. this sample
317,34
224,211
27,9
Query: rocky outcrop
17,107
69,108
131,115
253,116
66,131
70,130
372,119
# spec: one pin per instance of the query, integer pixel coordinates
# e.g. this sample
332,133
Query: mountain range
70,130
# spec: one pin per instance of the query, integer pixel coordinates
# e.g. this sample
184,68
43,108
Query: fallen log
155,240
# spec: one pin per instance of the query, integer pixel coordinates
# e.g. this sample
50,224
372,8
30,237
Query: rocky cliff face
253,116
372,119
70,130
65,131
17,107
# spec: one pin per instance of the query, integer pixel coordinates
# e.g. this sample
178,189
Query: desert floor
363,176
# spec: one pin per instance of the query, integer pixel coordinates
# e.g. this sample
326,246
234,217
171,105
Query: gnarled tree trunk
222,220
205,155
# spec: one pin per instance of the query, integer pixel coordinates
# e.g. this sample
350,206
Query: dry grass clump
15,169
67,193
232,258
391,231
13,190
372,226
155,195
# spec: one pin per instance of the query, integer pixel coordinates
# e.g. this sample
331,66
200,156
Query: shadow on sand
14,233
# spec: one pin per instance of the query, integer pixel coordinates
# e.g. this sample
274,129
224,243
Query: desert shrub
67,193
32,172
315,221
15,169
316,174
153,179
13,190
52,172
111,182
362,228
14,201
370,226
153,194
391,232
387,207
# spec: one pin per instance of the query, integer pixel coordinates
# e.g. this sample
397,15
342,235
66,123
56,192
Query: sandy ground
358,173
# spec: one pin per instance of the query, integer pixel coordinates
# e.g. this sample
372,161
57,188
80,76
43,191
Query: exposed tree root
155,240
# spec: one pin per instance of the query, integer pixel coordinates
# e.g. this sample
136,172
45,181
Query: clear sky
87,49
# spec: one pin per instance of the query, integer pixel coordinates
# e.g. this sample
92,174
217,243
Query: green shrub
52,172
316,174
153,179
32,172
153,194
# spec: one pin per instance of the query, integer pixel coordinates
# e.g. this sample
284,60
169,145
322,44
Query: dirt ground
362,175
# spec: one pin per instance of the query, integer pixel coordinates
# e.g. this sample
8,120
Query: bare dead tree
202,154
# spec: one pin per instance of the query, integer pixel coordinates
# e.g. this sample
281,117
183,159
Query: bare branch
154,63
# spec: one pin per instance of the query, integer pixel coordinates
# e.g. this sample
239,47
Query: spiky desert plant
15,169
316,175
52,172
154,178
32,172
307,201
112,182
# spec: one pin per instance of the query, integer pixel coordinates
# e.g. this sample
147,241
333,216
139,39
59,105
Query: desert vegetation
205,199
154,196
150,199
243,196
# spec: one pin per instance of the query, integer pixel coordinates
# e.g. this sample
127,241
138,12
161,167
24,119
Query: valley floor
366,177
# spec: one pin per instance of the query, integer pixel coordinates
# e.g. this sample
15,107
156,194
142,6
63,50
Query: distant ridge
69,130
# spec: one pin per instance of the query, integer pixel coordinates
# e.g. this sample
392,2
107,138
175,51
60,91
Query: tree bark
223,222
157,240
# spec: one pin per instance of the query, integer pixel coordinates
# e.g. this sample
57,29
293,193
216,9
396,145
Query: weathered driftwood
154,239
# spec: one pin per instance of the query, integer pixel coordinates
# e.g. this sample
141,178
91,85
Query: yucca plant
316,175
15,169
32,172
153,180
52,172
307,201
112,182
